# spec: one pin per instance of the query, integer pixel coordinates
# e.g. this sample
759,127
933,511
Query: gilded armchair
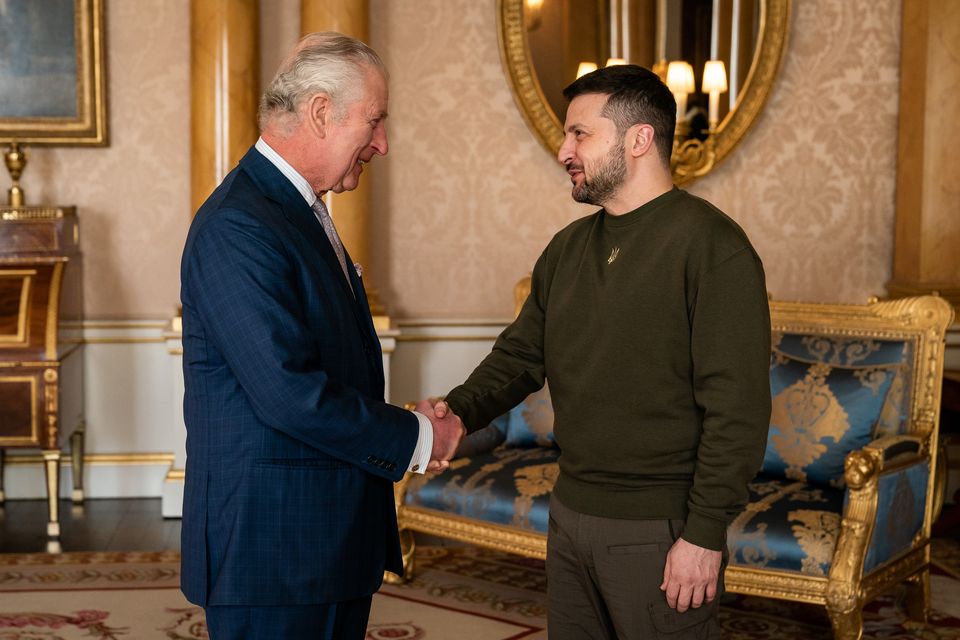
842,509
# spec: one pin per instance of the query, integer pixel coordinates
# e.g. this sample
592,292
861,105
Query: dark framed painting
52,72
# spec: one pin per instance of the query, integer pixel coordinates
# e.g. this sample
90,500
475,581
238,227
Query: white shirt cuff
421,454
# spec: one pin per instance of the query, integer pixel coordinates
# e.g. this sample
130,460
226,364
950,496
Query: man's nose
565,154
379,143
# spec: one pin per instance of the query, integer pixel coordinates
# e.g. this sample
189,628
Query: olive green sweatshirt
654,331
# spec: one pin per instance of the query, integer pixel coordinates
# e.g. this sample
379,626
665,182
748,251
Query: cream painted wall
467,197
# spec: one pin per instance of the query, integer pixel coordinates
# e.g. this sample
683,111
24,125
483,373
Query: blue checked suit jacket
291,450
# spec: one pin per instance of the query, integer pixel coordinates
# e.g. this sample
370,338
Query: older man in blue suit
288,520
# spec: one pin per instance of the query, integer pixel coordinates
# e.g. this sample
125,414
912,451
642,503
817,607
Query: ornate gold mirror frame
515,53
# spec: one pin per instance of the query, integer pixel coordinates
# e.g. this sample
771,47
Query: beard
608,178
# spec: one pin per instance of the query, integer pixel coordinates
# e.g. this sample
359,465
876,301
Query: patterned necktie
320,210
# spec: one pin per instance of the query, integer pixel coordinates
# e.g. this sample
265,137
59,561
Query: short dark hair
635,96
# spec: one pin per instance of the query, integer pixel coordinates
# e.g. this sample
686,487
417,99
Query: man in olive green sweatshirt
650,320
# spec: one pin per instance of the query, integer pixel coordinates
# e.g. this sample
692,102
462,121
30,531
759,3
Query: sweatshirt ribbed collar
663,200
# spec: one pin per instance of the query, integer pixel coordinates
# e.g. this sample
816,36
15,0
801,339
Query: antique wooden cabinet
41,353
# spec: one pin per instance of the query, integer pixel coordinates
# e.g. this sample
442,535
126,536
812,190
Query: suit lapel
306,221
363,309
278,188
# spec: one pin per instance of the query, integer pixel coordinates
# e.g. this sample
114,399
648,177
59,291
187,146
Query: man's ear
319,114
640,139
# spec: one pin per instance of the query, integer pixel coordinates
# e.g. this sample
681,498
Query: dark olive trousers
604,576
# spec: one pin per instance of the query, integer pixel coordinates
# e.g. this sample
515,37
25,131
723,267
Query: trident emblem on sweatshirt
613,255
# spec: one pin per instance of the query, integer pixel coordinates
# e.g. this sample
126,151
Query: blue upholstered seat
509,486
790,525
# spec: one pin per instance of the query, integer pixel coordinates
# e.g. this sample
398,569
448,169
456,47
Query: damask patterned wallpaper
467,197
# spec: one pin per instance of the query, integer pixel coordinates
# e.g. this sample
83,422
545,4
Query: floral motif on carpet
484,595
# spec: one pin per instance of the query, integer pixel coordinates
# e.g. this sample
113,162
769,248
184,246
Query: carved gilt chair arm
868,473
897,450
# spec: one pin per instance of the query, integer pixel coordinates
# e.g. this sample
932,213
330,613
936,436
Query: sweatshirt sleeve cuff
705,532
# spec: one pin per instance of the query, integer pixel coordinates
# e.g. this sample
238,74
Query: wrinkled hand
690,575
448,431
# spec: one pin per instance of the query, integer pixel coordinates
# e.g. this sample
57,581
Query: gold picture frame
52,72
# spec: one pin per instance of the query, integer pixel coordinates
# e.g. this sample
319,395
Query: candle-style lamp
585,68
714,83
680,83
534,8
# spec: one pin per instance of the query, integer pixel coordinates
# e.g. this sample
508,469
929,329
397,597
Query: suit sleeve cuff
421,453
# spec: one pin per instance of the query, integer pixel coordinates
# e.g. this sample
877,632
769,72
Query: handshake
448,431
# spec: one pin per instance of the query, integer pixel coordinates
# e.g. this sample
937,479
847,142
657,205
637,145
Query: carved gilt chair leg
408,545
918,596
76,463
847,625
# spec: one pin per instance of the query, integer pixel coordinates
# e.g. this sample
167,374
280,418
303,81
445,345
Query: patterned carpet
461,593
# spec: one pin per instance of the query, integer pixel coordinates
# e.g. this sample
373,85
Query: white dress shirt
421,453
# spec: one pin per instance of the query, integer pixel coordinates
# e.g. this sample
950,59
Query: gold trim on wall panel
22,337
118,324
11,441
471,338
120,340
53,310
451,323
115,459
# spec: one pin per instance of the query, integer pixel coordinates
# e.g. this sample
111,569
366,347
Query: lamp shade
612,62
680,77
714,77
585,68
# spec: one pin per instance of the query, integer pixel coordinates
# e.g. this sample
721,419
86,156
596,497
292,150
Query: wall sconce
691,156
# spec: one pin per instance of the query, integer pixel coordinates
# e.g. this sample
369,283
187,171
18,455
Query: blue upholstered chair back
832,395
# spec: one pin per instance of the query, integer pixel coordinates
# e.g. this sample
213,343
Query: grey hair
325,62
